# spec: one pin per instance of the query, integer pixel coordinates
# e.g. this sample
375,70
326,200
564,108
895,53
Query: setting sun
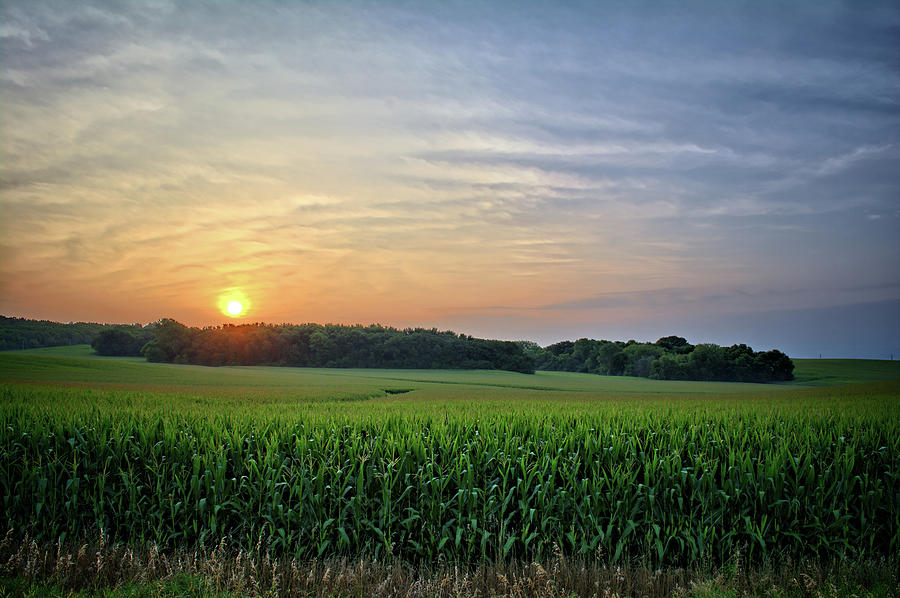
234,303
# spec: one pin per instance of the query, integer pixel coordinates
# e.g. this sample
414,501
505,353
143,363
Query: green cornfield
663,478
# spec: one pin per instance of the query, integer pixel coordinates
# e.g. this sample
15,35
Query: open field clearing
844,371
451,466
79,365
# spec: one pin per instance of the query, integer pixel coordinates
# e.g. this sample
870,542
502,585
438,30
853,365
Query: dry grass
96,565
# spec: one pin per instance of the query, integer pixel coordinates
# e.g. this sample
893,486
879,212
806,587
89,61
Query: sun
234,308
234,303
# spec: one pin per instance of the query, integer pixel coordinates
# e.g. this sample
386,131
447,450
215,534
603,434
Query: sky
724,171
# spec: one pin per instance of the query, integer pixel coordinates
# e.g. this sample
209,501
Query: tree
639,357
775,365
171,342
707,362
670,366
675,344
119,342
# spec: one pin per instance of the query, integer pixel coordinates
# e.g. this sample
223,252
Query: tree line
669,358
374,346
331,345
22,333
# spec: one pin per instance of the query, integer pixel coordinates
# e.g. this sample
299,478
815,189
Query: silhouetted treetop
669,358
330,345
375,346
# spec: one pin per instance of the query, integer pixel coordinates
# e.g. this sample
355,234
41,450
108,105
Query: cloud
840,163
364,158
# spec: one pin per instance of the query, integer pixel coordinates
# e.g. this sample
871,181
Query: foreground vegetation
124,572
464,468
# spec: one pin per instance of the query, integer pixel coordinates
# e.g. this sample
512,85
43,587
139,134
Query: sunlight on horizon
234,303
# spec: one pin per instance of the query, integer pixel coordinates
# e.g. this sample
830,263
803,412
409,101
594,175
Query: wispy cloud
404,161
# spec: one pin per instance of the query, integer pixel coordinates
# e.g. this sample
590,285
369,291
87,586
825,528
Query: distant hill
831,372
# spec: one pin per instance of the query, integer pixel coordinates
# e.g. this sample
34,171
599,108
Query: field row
671,486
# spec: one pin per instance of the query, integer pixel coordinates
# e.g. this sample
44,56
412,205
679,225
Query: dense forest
316,345
669,358
22,333
122,341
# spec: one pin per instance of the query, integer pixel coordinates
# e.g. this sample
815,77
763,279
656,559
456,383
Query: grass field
824,372
451,466
79,365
